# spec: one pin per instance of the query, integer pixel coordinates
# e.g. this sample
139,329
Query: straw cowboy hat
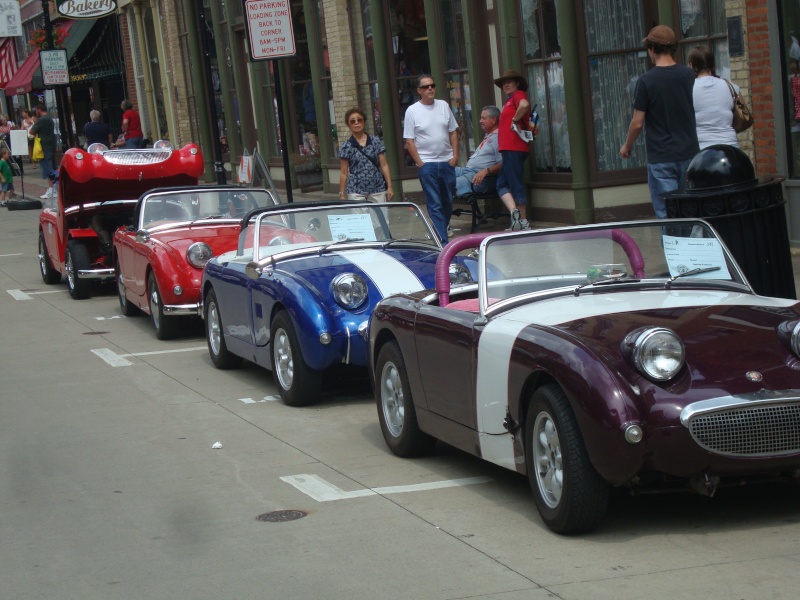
516,76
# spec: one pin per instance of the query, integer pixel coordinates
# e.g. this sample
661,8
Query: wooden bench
480,216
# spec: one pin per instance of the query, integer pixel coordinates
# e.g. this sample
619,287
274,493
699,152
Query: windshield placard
685,254
353,227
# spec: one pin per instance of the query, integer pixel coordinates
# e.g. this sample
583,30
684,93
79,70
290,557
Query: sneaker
524,225
4,203
449,232
515,224
47,194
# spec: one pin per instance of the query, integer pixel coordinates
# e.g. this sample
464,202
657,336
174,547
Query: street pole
60,102
287,173
219,169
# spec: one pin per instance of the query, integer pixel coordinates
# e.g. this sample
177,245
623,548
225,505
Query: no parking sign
269,26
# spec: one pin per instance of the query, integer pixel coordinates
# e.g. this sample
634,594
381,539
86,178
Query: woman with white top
713,101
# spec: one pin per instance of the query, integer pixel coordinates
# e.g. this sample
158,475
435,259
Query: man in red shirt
131,126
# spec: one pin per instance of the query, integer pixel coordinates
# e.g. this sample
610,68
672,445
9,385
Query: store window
366,73
616,59
545,76
304,110
703,23
789,19
455,73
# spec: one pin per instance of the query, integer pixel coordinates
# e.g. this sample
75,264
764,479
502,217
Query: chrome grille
760,430
136,157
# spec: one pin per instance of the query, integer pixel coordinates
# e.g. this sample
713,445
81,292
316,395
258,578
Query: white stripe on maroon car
389,275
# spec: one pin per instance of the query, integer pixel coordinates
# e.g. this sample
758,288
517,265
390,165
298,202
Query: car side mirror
142,236
252,270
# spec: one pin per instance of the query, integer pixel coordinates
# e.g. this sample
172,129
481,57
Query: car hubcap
214,333
154,314
392,399
42,254
284,365
70,269
547,459
121,288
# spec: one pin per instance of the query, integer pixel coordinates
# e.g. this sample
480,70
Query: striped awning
8,61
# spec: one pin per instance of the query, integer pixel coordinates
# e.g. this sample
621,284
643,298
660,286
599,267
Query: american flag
8,61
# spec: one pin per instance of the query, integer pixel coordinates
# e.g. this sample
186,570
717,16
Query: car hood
725,335
392,271
220,238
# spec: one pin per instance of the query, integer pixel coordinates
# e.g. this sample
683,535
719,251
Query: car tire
49,273
220,355
24,205
77,258
298,384
164,326
129,309
570,495
396,412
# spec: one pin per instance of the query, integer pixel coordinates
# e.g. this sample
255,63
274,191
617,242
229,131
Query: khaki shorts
379,197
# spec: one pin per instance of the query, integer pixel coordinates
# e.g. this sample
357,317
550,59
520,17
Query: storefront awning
29,76
8,61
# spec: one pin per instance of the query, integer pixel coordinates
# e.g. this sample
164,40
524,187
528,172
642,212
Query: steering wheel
280,240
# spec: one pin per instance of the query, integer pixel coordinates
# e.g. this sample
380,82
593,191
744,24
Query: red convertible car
159,259
96,194
628,354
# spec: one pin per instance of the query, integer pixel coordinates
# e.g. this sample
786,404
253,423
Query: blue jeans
46,165
464,185
511,178
663,178
438,181
134,143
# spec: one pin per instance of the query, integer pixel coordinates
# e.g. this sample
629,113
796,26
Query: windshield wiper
337,242
623,279
388,243
209,217
689,273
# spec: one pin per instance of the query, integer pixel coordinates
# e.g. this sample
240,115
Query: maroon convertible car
632,354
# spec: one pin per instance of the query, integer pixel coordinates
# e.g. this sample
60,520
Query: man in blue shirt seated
486,161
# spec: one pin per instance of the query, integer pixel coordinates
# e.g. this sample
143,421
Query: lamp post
219,170
60,104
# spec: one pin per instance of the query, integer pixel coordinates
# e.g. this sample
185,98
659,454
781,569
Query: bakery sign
86,9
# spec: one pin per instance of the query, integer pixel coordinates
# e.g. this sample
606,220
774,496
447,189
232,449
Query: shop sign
86,9
10,21
54,67
269,25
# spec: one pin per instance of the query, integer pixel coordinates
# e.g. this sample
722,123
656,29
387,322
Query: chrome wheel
546,449
155,312
392,400
214,332
284,364
69,268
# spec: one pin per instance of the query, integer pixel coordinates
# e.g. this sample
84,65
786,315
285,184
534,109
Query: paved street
110,487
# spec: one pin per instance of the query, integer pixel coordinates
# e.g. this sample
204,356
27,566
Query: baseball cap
661,35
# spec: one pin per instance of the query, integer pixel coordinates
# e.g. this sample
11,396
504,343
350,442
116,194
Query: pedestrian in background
430,131
45,128
515,117
131,126
97,132
713,101
28,119
6,177
663,103
363,170
485,162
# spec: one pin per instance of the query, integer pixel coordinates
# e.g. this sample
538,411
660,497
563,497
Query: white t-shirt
713,111
429,125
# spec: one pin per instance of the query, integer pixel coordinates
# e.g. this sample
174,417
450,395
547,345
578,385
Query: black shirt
96,132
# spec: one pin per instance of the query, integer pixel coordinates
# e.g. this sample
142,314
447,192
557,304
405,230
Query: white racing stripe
388,274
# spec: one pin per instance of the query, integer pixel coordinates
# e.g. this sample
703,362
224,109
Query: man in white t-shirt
431,134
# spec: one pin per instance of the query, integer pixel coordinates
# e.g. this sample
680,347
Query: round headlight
96,148
459,274
796,340
349,290
162,145
199,254
658,353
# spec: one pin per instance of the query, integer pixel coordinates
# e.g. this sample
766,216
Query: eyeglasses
430,86
356,120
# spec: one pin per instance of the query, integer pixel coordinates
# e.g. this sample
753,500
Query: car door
446,342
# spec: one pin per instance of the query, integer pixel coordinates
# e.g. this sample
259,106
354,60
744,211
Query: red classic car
97,191
628,354
159,259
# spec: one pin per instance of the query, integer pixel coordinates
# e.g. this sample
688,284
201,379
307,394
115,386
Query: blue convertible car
297,294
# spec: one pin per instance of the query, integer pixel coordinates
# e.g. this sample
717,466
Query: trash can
748,213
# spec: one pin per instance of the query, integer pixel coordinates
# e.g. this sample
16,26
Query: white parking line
118,360
322,491
109,318
17,254
20,295
264,399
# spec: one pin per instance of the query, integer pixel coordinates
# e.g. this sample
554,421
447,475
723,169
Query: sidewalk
30,185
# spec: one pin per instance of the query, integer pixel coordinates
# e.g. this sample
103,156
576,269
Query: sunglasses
430,86
356,120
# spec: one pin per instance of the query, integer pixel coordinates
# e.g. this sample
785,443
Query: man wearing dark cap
663,104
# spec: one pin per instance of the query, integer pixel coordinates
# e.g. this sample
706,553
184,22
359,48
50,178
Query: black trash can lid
720,166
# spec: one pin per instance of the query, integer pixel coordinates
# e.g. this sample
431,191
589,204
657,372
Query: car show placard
269,27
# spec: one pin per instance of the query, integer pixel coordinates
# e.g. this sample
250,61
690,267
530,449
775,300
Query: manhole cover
277,516
95,332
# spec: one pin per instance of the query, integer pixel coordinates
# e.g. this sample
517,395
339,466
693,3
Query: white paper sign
685,253
353,227
54,67
19,142
10,21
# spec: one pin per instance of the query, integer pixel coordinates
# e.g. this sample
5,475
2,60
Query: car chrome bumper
183,309
95,273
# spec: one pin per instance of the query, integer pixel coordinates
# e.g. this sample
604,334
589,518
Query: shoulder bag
742,117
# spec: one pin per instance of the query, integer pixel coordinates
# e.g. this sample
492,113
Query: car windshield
173,207
620,255
320,228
